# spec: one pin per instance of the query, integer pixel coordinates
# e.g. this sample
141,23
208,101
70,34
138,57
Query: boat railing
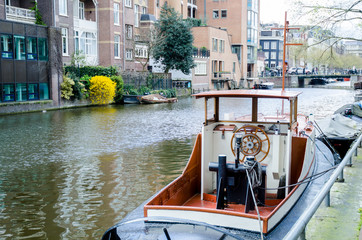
298,229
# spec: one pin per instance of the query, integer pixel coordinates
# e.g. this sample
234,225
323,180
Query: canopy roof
249,94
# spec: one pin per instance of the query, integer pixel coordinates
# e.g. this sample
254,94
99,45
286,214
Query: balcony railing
85,25
20,14
201,53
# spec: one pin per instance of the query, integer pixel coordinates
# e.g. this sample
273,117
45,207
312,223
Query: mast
285,44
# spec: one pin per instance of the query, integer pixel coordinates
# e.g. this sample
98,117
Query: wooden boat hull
132,99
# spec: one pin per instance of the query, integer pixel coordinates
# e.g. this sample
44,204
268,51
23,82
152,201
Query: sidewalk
340,220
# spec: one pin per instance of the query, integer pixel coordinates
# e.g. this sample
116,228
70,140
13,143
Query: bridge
303,80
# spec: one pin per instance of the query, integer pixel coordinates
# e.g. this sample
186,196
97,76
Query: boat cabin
253,146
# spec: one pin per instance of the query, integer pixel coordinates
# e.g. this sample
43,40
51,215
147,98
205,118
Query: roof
249,94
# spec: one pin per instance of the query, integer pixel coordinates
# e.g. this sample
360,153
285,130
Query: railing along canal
298,230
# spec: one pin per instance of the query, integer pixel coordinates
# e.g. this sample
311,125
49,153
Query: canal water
71,174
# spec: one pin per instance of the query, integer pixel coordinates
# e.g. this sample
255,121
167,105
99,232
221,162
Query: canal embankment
342,220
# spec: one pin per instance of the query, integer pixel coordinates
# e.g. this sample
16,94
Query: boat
156,98
245,171
264,85
132,99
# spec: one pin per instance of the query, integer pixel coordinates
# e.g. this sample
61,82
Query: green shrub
169,93
119,88
66,88
79,90
91,71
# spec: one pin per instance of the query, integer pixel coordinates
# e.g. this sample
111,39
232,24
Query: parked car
299,70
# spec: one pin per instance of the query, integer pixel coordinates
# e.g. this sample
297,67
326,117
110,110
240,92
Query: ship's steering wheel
252,143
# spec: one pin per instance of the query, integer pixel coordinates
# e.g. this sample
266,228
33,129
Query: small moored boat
157,98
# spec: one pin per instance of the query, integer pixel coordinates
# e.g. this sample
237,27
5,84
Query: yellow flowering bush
102,90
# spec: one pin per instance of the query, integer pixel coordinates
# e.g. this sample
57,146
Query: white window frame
129,54
65,42
81,10
63,7
273,45
200,68
116,13
129,31
136,15
214,45
266,45
273,55
141,51
215,14
128,3
117,46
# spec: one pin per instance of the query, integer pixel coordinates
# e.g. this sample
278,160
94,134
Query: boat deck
210,203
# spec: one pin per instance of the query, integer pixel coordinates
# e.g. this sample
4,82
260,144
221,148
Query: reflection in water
71,174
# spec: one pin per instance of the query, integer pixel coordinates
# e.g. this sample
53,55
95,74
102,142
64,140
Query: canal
71,174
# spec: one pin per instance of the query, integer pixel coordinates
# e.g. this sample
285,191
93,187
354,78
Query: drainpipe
124,39
54,18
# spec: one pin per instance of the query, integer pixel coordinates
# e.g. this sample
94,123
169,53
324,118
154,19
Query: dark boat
132,99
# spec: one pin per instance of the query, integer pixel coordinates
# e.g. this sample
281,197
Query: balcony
20,14
85,25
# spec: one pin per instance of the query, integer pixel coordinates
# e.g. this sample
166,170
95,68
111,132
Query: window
31,48
224,13
215,14
65,41
7,46
8,92
136,17
76,41
129,31
33,91
214,44
21,94
88,43
43,91
19,47
266,45
200,68
234,67
128,54
116,13
7,3
43,49
222,46
81,10
273,45
266,54
144,10
128,3
117,41
141,51
63,7
273,55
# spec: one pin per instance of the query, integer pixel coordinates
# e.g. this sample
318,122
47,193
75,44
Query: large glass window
76,41
128,3
43,49
7,46
214,44
273,45
63,7
19,43
266,45
21,92
88,44
33,92
43,91
8,92
31,48
65,41
116,13
117,41
200,68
